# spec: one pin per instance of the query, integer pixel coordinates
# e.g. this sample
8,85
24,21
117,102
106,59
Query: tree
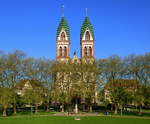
2,68
61,91
5,98
146,93
120,97
121,92
13,72
27,98
90,80
47,98
111,69
139,99
47,79
138,68
35,95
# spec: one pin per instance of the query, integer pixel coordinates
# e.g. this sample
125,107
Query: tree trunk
90,108
4,111
136,108
83,107
15,110
47,107
121,109
112,107
116,109
76,108
31,109
62,108
36,108
68,108
140,110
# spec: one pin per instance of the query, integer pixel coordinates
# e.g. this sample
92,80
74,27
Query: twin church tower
63,41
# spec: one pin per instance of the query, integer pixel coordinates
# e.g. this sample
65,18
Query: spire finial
62,10
86,10
74,53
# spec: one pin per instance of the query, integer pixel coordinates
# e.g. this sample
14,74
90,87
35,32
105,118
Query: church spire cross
86,11
62,10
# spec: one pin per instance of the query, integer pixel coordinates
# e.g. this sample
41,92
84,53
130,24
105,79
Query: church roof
63,24
86,24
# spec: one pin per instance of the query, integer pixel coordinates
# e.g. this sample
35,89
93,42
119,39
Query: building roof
86,24
124,83
21,84
63,25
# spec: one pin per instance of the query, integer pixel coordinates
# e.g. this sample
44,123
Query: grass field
70,120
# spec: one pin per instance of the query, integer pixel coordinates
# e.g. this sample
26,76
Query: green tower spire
63,24
86,24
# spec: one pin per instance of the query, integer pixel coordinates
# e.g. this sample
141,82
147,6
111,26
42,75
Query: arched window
65,51
85,51
87,36
60,51
90,51
63,36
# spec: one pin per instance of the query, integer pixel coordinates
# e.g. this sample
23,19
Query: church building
64,80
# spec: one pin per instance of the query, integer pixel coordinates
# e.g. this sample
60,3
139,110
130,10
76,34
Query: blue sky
121,27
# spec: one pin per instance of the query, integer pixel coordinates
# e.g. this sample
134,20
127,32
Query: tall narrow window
63,36
87,36
90,51
60,51
85,51
65,51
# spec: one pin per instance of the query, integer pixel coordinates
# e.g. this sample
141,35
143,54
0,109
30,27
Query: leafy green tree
34,97
117,97
28,98
61,84
121,92
138,68
13,72
138,99
91,79
37,94
47,98
5,99
146,93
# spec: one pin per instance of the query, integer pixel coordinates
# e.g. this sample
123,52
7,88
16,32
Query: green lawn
70,120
